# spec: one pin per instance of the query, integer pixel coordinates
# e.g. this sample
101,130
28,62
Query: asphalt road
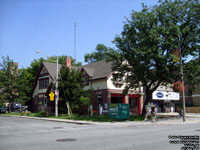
30,134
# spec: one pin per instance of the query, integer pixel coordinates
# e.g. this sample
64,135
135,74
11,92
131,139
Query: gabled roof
97,70
51,68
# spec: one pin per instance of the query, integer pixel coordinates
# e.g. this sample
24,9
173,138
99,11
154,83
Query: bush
85,100
23,113
28,113
41,113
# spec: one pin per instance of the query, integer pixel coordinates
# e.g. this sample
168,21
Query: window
133,102
43,83
86,81
118,80
116,100
45,101
99,98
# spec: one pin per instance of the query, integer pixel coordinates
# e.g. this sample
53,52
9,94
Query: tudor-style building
44,80
99,78
44,84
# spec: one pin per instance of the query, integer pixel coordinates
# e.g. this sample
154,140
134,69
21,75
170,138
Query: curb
55,120
129,123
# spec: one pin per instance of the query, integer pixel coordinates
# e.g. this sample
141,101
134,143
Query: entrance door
99,103
167,106
133,104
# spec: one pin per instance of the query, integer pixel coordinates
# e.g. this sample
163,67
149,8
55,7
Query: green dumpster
119,111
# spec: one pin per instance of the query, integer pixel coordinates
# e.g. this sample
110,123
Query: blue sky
48,25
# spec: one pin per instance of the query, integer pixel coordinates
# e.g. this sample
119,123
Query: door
133,104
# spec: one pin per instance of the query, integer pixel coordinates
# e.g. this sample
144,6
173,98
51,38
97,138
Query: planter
178,86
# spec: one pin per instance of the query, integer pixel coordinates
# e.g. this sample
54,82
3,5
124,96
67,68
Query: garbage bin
119,111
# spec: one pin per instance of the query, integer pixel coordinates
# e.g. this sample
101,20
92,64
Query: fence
192,109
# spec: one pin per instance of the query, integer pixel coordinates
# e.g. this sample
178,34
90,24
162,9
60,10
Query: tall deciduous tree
192,73
24,85
71,86
148,40
101,53
8,81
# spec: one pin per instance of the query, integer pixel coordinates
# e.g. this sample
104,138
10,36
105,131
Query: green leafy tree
148,40
8,78
192,75
102,53
24,86
35,66
71,89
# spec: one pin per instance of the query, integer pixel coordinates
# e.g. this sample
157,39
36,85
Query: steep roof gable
100,69
46,68
51,68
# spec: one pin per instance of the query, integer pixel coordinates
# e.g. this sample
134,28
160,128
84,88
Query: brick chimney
68,63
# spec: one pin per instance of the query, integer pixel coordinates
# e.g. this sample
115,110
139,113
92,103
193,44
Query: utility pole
75,42
182,79
57,95
56,91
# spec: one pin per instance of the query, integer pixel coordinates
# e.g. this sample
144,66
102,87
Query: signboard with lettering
119,111
162,95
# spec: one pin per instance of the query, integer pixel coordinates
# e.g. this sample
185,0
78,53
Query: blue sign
159,95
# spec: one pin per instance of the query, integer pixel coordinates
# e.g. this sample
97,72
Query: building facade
103,87
44,81
105,90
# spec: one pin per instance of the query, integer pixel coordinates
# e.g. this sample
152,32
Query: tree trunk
148,98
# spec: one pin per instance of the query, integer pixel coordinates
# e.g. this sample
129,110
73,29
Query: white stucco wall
106,84
113,87
37,90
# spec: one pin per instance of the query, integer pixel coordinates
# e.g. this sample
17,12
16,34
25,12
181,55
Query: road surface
30,134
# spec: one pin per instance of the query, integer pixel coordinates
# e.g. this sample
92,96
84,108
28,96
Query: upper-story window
43,83
86,80
85,77
117,81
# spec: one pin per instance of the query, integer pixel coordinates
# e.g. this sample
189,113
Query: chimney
13,68
68,63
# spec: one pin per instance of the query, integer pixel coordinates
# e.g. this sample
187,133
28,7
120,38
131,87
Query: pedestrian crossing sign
51,95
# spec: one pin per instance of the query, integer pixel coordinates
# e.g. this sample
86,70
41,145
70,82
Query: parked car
15,107
2,110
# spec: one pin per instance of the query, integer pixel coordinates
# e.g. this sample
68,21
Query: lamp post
182,79
56,92
57,95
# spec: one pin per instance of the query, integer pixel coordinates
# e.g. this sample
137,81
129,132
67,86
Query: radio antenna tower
75,42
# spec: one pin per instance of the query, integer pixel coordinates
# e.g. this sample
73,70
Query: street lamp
182,80
56,92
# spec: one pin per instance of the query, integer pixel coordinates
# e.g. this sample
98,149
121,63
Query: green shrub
23,113
28,113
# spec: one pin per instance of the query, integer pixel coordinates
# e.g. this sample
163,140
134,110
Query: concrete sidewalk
190,118
175,114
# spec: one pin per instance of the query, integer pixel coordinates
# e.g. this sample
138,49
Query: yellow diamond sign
51,95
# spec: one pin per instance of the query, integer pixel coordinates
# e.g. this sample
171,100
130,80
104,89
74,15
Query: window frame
43,83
